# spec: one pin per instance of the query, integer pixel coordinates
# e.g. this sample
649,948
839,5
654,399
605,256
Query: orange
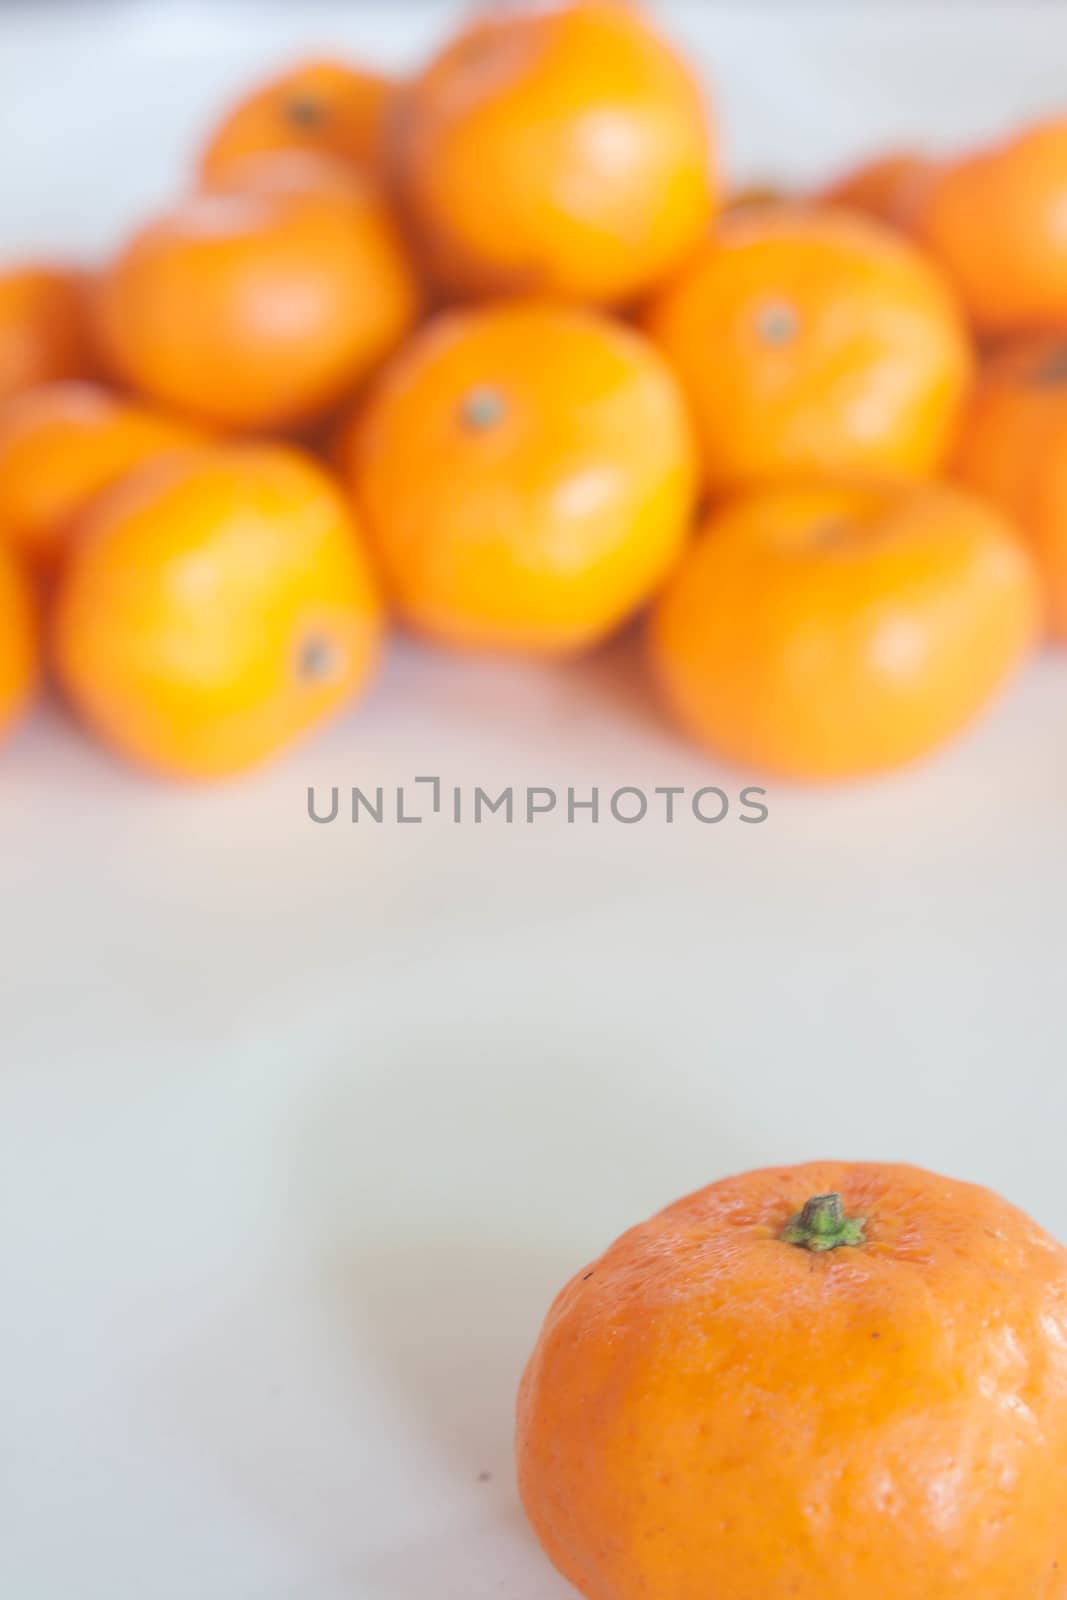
1014,449
42,327
334,107
62,444
288,172
837,1381
19,652
889,188
827,632
217,605
562,149
814,344
995,221
258,308
526,473
755,195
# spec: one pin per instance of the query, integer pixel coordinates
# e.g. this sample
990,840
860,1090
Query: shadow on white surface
498,1563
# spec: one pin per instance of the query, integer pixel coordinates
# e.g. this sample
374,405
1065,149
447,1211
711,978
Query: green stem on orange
822,1225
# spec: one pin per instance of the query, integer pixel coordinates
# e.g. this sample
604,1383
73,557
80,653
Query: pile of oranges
488,354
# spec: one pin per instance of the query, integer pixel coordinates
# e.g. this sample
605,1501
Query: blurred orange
289,172
561,149
828,633
329,106
218,605
889,188
755,194
258,308
527,476
995,220
62,444
812,344
1014,449
19,648
42,327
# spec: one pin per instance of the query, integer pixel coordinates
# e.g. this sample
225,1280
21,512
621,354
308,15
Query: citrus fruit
818,1382
814,344
42,327
334,107
62,444
563,149
217,604
1013,448
19,647
889,187
994,219
257,308
526,473
828,633
289,172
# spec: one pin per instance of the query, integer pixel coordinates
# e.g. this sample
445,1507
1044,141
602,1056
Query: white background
300,1128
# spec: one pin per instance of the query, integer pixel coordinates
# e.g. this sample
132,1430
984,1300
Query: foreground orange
42,327
827,1382
829,633
1013,448
217,605
60,446
329,106
560,148
995,220
19,652
258,307
527,476
812,344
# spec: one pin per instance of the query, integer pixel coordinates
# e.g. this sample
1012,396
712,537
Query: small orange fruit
830,632
814,344
19,650
995,222
837,1381
564,149
289,172
60,446
258,308
527,476
757,195
333,107
1013,448
889,188
42,327
217,605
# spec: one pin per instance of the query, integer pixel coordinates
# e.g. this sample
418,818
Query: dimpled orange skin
996,222
814,344
60,446
889,188
331,107
527,476
217,606
563,149
19,647
714,1414
43,327
258,308
831,633
1013,448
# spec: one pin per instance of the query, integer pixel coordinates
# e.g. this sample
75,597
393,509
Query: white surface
300,1128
